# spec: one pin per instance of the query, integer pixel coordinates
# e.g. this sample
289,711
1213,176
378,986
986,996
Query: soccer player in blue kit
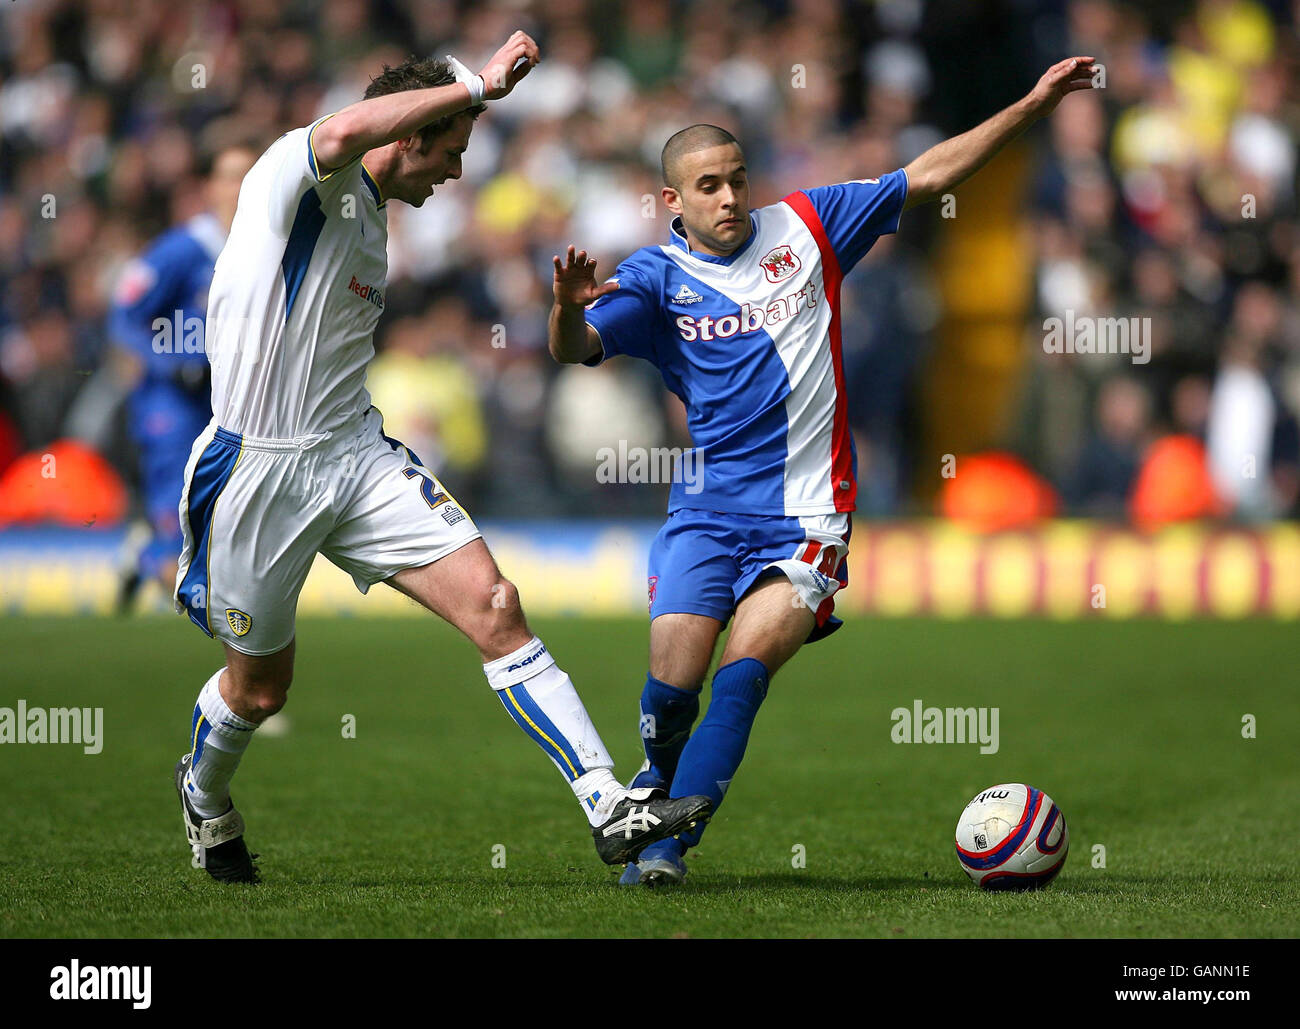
740,313
170,399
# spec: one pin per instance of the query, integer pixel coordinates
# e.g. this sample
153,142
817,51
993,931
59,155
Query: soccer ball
1012,837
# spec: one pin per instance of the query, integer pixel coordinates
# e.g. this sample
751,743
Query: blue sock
715,749
667,714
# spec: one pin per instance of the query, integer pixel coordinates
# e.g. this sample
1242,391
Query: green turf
1134,728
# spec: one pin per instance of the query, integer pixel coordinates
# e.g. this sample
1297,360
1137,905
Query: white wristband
474,83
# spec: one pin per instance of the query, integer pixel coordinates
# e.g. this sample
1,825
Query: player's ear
672,199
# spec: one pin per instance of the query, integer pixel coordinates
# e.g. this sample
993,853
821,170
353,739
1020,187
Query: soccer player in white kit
295,461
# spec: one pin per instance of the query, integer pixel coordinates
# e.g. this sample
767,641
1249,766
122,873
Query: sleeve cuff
313,162
898,218
596,359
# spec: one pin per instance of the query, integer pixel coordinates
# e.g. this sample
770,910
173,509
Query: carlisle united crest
780,263
240,621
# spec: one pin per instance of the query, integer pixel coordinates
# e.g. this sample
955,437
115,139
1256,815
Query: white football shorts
256,512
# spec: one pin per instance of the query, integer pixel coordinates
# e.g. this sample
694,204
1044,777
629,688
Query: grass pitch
1135,729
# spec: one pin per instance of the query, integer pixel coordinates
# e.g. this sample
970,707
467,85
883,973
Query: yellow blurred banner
1075,569
1062,569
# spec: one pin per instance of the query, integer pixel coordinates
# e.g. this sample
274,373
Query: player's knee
495,621
680,663
504,612
504,603
268,700
682,676
259,695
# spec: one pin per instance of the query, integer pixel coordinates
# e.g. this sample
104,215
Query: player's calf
217,843
468,590
667,714
541,699
219,735
681,647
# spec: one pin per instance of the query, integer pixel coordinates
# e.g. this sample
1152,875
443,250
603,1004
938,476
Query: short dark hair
210,151
689,140
419,73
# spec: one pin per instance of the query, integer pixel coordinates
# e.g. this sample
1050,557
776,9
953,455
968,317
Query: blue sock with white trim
714,752
542,700
667,714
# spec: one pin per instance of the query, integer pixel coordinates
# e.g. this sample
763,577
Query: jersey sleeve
856,214
295,168
627,319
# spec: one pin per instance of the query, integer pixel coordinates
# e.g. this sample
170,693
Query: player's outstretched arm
953,161
383,119
570,338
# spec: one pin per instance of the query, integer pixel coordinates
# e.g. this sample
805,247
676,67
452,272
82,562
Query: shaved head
688,141
706,186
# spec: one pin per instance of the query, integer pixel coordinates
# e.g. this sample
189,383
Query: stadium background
1173,484
1168,741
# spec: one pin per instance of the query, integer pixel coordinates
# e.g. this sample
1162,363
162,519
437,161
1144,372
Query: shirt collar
677,237
372,185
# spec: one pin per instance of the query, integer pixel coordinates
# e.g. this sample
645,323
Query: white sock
541,699
219,738
599,791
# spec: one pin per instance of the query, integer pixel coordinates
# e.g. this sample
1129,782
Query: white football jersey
296,295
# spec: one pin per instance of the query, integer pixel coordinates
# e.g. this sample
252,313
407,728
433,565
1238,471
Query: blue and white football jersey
297,293
751,343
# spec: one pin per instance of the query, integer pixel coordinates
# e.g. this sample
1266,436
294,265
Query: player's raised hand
575,280
500,74
1066,76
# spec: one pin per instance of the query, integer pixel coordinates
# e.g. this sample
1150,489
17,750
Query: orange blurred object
67,482
995,491
1174,484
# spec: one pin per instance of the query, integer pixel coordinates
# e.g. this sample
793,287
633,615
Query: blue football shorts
704,562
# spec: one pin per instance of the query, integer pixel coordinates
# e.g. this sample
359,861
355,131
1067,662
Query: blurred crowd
1170,195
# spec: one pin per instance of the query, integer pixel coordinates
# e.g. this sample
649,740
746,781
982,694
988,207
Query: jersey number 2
426,488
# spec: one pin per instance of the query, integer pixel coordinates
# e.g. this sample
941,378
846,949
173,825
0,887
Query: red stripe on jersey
841,447
810,552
